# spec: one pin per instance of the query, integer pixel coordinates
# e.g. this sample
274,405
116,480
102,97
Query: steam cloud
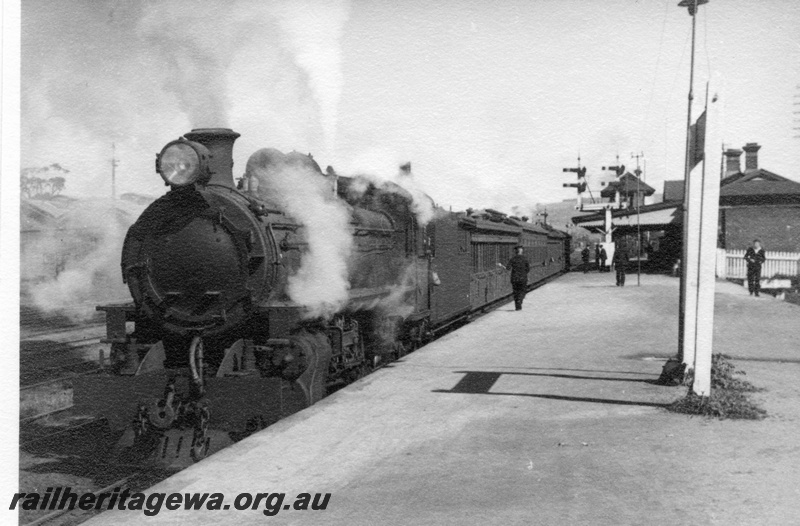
193,52
73,265
140,73
321,284
148,72
382,169
315,43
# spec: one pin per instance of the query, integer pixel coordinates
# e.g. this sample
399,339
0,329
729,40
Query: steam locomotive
214,347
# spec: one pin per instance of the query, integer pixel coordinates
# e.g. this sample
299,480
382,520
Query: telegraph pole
638,223
114,164
795,112
543,214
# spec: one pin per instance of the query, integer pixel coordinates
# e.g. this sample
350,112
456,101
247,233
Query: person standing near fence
620,261
585,259
754,257
603,258
597,256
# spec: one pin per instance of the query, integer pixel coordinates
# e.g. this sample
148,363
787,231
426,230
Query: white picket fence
731,264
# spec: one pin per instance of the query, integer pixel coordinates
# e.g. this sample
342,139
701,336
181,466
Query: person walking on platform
597,256
620,262
754,257
585,258
519,267
603,258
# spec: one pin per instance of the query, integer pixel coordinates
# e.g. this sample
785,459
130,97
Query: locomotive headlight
182,163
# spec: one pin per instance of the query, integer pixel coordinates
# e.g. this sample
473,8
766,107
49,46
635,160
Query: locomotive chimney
219,142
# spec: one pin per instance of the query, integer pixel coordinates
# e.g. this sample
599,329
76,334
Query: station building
754,203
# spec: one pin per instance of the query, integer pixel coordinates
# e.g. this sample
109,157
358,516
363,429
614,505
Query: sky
489,101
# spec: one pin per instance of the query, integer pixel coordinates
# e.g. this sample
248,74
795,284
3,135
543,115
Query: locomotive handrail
365,231
253,201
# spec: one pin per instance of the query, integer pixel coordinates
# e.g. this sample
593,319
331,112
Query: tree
25,185
32,185
57,184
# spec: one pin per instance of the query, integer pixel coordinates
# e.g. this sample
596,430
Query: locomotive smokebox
219,142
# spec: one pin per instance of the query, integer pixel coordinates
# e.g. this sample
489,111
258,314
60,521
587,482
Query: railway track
59,334
72,451
49,361
121,484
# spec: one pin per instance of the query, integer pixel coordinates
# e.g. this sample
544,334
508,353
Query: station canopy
661,216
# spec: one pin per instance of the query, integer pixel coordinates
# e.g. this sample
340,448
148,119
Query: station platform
549,415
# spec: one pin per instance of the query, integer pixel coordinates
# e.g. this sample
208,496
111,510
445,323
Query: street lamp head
692,5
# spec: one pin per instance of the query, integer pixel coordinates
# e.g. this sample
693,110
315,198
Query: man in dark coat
585,258
620,261
754,257
519,267
597,256
603,258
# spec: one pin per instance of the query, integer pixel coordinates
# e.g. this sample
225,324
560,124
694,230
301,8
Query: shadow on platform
479,382
586,370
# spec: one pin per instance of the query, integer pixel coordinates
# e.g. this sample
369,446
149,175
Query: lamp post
689,254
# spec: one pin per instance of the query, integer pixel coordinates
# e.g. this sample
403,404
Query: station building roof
673,191
627,184
758,187
657,216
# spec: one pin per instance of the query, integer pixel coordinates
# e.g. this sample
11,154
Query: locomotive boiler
212,346
217,342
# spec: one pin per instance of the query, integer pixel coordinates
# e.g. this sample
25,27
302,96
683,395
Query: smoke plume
321,284
384,170
194,56
313,31
71,265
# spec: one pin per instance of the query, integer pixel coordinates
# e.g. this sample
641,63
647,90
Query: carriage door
451,261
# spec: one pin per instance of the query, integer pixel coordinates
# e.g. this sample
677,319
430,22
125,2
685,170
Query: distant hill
139,199
560,215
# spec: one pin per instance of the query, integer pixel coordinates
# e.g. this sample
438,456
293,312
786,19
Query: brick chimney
732,161
751,156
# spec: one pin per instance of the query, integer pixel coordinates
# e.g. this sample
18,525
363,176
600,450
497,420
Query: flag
697,141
